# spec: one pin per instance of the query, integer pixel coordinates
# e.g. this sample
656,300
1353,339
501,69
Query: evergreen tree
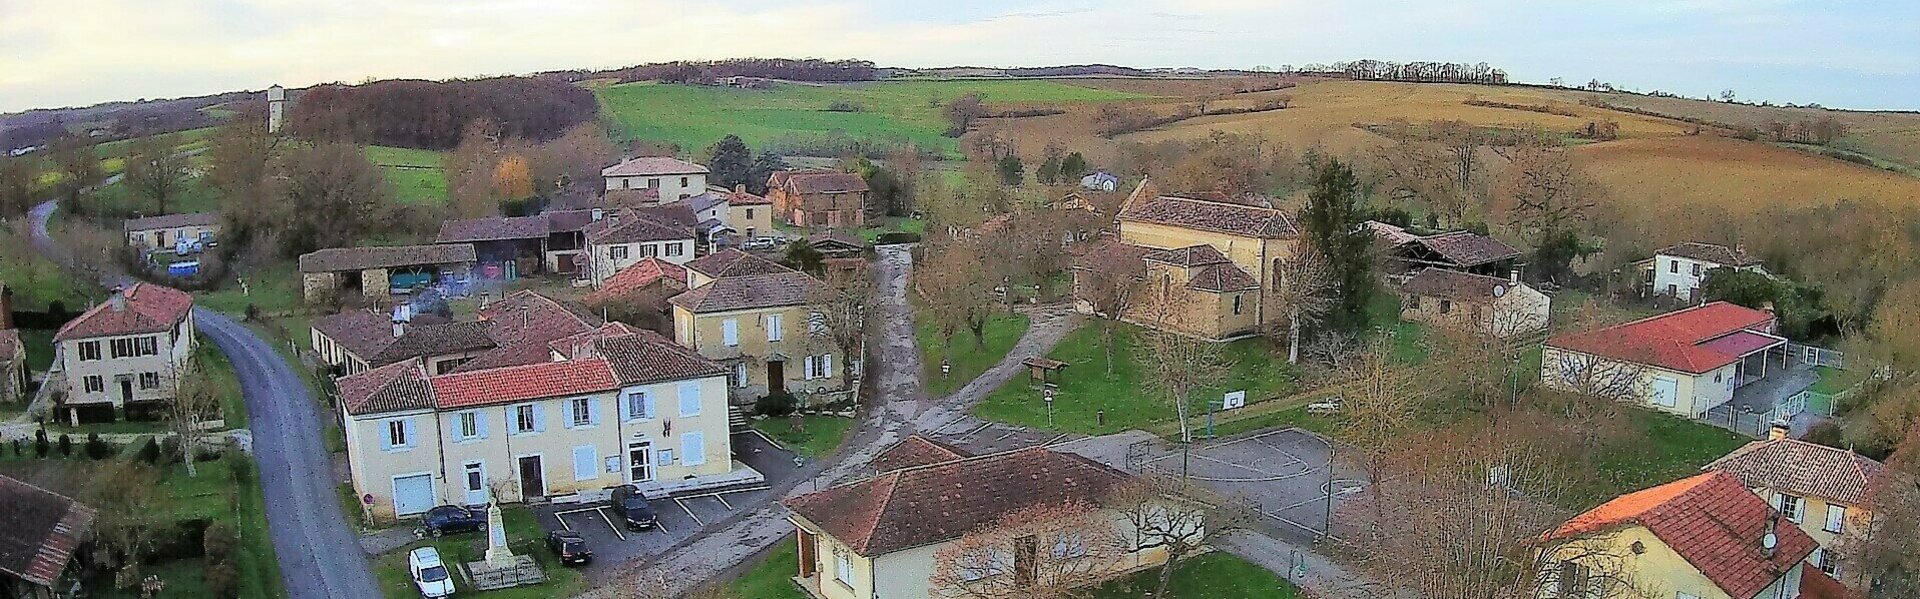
1049,172
1073,167
731,162
1332,221
1012,172
764,165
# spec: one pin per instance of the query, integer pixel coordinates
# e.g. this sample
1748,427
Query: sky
1840,53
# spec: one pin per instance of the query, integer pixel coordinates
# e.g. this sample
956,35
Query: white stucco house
673,178
125,353
1680,270
1684,362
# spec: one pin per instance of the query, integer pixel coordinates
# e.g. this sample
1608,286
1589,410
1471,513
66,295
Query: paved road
320,557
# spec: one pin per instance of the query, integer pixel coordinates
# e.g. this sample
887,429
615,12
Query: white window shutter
807,371
730,331
386,436
693,449
566,413
826,366
689,399
539,419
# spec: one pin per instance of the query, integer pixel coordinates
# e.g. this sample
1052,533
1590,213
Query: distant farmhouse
1679,271
671,178
819,198
165,232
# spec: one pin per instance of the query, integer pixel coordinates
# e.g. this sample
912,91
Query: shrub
16,448
846,106
150,451
776,404
219,541
96,448
40,445
223,580
237,462
1828,433
66,444
170,450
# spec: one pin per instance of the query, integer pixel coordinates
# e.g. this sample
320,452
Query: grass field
695,117
416,175
1661,448
820,435
524,537
1086,387
968,360
37,281
1214,575
772,577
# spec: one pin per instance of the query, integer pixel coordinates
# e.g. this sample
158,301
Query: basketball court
1284,473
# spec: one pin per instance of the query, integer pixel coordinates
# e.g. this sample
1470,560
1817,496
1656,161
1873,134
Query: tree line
711,71
413,113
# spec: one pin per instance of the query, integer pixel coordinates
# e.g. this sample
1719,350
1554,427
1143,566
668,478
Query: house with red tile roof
1705,536
124,354
1207,267
1822,489
879,537
1684,362
40,531
561,418
758,318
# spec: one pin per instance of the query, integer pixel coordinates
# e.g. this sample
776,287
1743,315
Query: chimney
1513,275
118,301
739,188
402,314
599,213
1779,429
1770,542
6,307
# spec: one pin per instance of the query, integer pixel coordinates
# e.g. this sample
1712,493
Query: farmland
416,175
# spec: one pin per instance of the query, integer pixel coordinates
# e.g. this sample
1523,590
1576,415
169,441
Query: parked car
569,547
631,505
450,519
429,574
758,243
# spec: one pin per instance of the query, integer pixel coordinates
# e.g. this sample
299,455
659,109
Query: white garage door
412,494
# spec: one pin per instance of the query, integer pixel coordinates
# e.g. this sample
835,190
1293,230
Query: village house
164,232
40,534
1679,271
612,406
1208,268
1462,251
124,356
383,271
14,376
756,318
880,537
671,179
643,288
731,211
819,198
1685,362
625,237
1500,307
356,341
1704,537
1821,489
1100,181
508,247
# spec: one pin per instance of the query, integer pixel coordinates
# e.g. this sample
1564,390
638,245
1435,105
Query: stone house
819,198
670,179
380,272
1679,271
625,237
124,355
1823,490
14,376
756,318
1500,307
164,231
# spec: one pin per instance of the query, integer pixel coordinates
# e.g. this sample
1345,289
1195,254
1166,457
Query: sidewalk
1301,564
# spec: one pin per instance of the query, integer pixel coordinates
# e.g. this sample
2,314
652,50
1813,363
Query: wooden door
776,377
533,481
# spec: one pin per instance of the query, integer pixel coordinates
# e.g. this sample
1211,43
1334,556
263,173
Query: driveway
320,558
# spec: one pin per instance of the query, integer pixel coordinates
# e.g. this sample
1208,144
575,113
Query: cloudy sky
1851,53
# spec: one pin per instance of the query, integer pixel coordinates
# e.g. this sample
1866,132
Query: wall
1255,256
826,586
751,221
173,352
605,265
1693,394
672,187
1815,518
334,354
13,374
1523,310
1659,571
704,332
148,239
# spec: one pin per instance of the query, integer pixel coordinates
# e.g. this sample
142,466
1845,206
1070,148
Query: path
319,556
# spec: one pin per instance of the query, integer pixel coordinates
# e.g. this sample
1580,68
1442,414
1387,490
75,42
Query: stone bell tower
276,108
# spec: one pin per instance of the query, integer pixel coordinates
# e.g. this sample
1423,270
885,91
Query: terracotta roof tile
397,387
1713,522
364,333
750,292
421,340
1221,278
643,274
1468,249
493,228
647,357
1815,584
39,530
652,165
824,182
1674,341
920,506
521,383
142,308
1800,468
362,258
734,263
170,221
1196,255
526,316
913,452
1456,285
1218,217
1711,252
634,227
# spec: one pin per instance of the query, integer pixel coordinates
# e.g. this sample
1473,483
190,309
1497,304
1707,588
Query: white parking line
966,435
561,516
684,508
610,524
723,501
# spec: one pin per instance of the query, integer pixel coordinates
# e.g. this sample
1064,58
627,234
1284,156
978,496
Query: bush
219,541
892,237
150,451
40,445
846,106
776,404
1828,433
96,448
170,450
237,462
66,444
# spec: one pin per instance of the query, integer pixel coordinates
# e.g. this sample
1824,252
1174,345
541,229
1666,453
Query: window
397,433
1236,305
653,182
618,252
1673,290
649,250
149,380
1836,518
816,323
826,366
476,478
683,181
580,412
526,418
121,348
89,350
467,424
638,405
1446,306
675,249
1793,507
94,383
749,217
1673,266
1825,562
1574,580
730,332
625,183
689,399
1696,269
740,375
146,346
842,566
775,326
807,370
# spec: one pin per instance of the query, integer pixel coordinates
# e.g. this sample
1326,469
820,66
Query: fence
1816,356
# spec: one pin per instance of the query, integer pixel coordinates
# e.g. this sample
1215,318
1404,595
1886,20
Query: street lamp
1046,394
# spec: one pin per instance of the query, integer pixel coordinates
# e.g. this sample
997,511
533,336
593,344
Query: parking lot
680,516
1287,474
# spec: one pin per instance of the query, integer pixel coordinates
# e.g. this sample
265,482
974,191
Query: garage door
412,494
1664,391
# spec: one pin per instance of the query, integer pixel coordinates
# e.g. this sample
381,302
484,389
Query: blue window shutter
539,419
411,440
593,411
386,436
693,447
566,413
625,406
453,427
652,408
689,399
480,423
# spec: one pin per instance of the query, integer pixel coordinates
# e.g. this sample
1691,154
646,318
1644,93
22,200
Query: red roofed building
819,198
560,416
1705,537
124,353
40,531
1685,362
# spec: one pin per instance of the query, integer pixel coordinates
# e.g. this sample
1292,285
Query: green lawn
695,117
416,175
1660,448
39,344
772,577
524,536
36,281
821,436
893,224
1003,330
1833,380
1087,388
1211,576
273,290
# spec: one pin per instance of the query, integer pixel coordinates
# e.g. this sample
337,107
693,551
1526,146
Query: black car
632,507
569,547
451,519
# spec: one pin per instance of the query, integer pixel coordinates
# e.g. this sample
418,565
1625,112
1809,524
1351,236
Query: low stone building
40,533
1501,307
164,231
376,272
819,198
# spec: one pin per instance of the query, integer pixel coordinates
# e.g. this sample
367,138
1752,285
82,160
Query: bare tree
840,311
18,177
1179,366
956,288
1109,280
77,164
1546,194
1046,551
1882,557
132,512
1379,403
155,171
1179,516
1303,289
196,399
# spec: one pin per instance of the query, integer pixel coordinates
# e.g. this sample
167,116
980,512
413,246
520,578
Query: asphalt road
320,558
